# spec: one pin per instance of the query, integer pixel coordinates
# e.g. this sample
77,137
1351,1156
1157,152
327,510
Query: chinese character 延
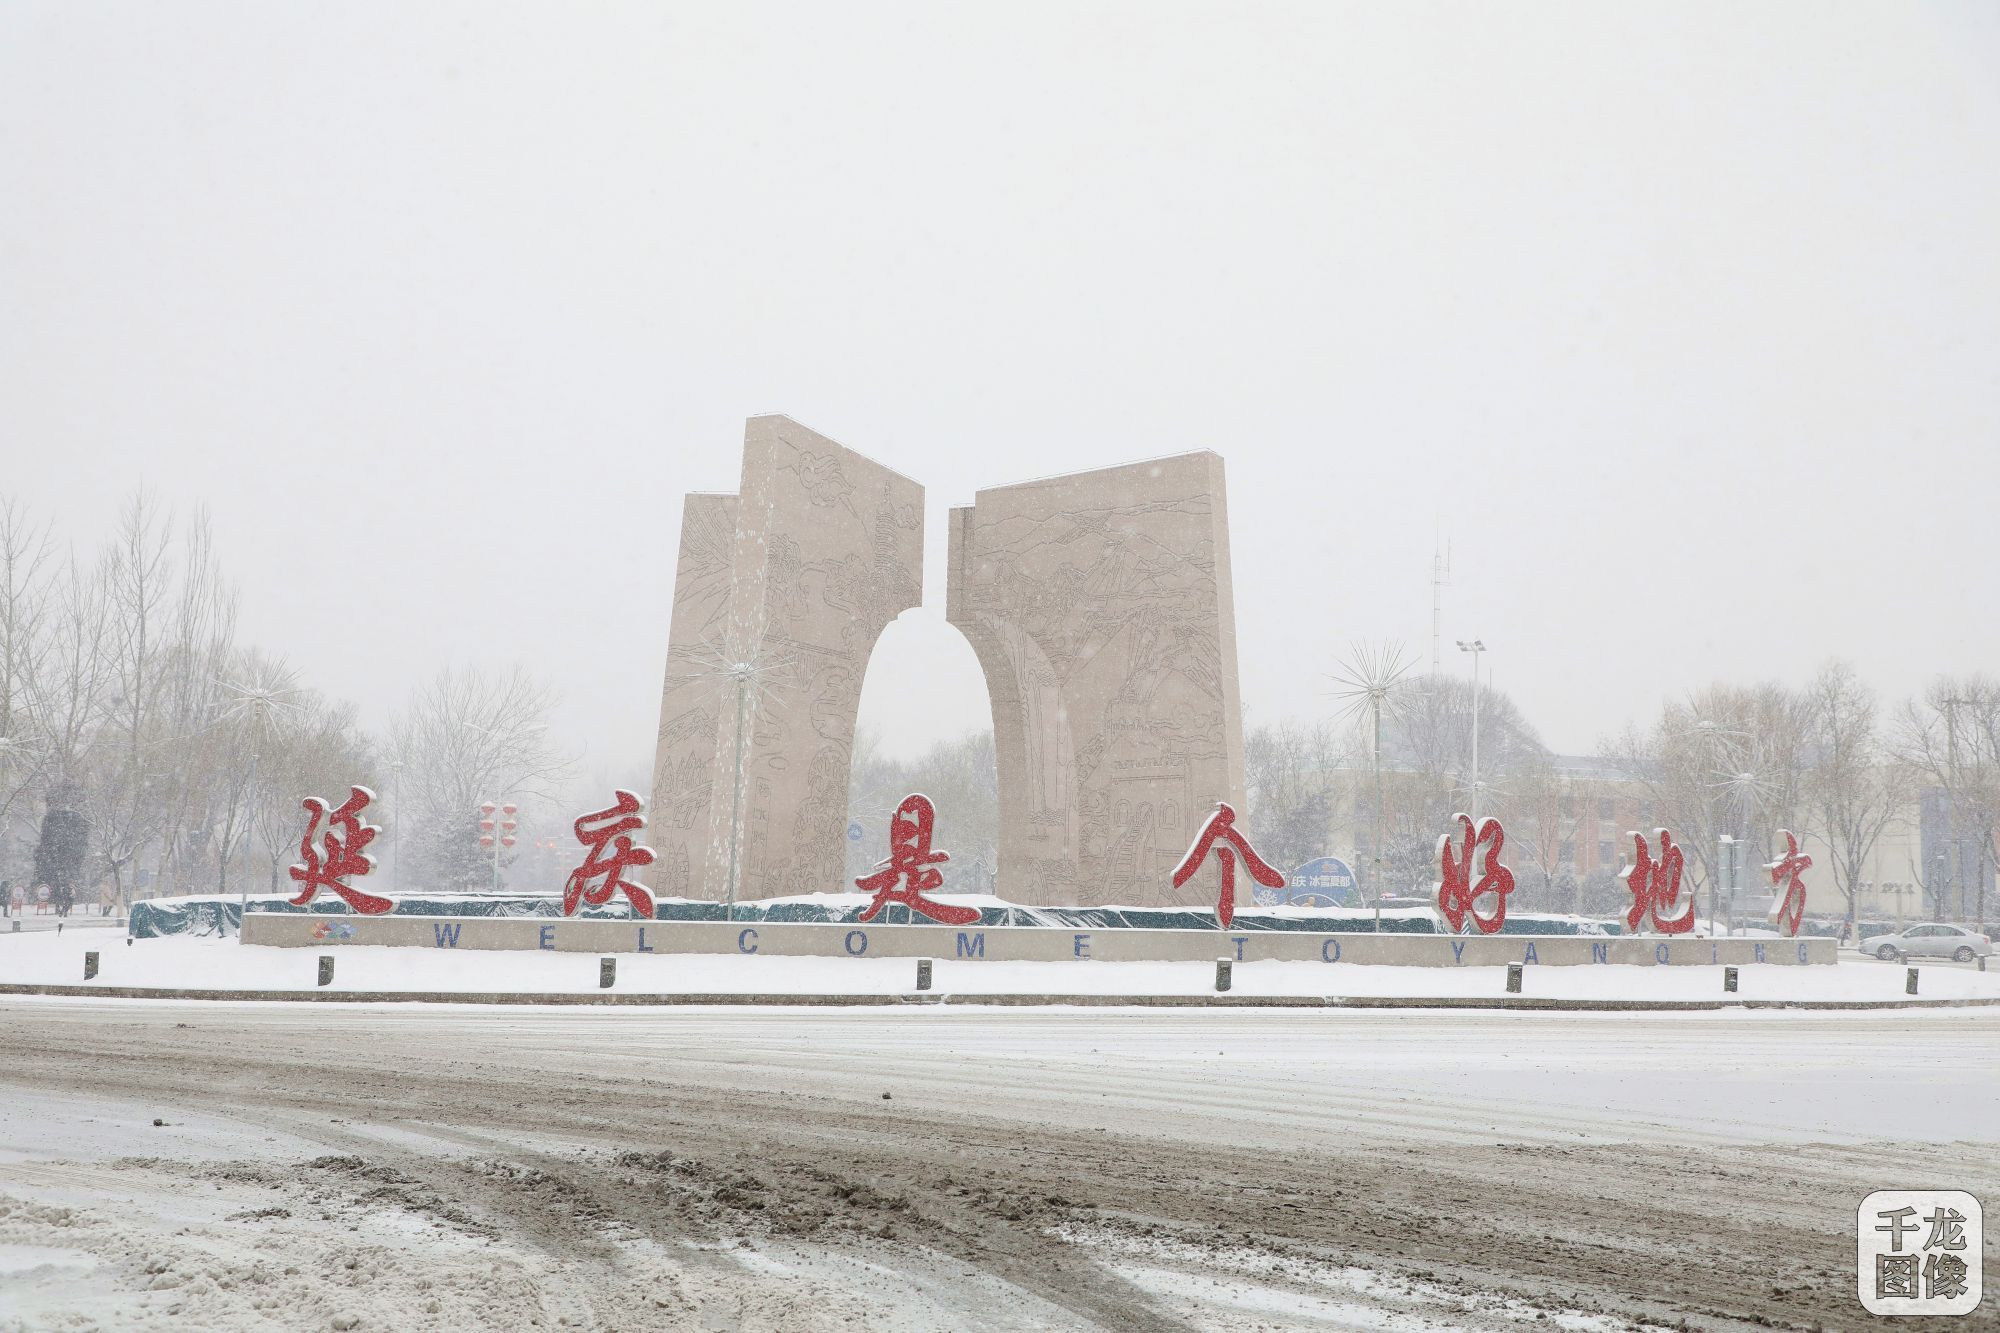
340,850
908,873
609,828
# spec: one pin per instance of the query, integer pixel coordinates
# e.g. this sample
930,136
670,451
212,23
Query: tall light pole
496,830
395,837
1370,675
1475,647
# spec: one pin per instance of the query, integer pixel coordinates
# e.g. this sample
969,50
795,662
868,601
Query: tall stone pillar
1099,605
788,584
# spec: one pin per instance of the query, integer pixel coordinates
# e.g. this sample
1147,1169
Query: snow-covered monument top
1099,606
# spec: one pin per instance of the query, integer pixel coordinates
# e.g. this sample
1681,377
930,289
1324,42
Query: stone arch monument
1099,606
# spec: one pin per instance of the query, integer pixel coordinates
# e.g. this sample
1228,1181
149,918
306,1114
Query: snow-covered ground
45,958
428,1169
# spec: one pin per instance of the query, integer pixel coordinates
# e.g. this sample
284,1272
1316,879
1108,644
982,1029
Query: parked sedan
1936,940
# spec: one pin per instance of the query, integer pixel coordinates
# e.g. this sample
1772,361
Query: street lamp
1475,647
395,823
497,832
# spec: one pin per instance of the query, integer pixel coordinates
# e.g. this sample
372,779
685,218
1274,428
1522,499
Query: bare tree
1951,737
1856,787
311,748
961,778
1541,805
1728,761
25,596
464,738
1293,776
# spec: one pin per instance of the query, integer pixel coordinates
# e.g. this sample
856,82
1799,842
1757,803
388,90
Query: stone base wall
1021,943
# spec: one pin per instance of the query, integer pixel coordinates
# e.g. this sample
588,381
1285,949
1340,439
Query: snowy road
452,1167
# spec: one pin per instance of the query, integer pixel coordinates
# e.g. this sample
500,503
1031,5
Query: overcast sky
1681,322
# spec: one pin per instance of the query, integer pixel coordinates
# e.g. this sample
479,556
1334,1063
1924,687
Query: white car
1936,940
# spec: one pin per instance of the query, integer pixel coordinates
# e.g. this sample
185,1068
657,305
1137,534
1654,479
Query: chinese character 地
909,872
1655,885
341,850
610,828
1221,827
1457,895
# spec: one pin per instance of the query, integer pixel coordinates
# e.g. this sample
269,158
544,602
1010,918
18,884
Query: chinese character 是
910,860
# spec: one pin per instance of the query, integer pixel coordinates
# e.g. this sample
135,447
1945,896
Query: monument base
1021,943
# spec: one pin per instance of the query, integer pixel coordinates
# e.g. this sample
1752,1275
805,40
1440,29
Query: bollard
1982,962
90,965
923,974
1910,982
326,969
1729,979
1223,967
1513,978
607,972
17,924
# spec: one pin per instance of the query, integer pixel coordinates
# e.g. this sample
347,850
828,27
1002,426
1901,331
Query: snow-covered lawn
223,964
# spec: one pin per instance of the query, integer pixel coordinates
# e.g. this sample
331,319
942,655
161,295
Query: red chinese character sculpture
613,828
1457,896
1655,884
324,858
1222,825
910,860
1791,909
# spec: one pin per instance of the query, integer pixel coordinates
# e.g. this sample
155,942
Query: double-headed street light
1475,647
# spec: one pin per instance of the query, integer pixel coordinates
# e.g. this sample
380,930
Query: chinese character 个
340,850
910,861
1221,827
1896,1275
611,827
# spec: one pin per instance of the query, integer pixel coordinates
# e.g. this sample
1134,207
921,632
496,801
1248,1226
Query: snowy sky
1682,321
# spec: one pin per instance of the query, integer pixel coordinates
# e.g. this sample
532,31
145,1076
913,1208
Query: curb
1527,1002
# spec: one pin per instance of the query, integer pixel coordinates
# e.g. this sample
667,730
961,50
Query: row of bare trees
1824,760
141,745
